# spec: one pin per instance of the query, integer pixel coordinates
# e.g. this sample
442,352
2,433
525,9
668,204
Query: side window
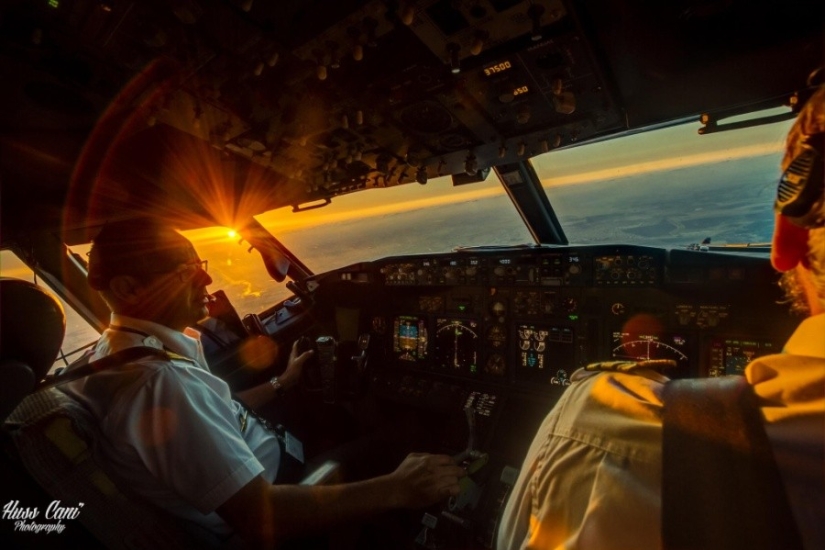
80,335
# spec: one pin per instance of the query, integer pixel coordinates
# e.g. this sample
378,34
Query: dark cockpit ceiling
225,108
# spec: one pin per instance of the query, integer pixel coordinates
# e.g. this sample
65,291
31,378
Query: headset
800,196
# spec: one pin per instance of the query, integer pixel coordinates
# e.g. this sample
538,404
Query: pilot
173,432
592,477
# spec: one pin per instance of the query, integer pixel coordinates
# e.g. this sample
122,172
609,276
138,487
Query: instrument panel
527,318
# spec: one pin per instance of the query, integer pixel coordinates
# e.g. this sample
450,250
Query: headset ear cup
800,196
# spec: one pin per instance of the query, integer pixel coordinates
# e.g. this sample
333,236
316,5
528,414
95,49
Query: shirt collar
186,343
809,338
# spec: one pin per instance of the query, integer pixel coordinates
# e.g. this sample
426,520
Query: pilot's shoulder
649,369
618,389
140,366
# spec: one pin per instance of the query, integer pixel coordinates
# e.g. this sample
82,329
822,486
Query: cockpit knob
334,54
471,165
564,103
534,13
358,52
359,117
523,114
455,62
273,59
421,175
502,152
441,164
407,14
478,42
522,148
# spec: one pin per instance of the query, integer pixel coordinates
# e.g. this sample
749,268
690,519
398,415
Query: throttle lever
469,452
472,461
360,360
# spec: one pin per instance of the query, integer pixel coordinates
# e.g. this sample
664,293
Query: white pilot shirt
592,476
172,430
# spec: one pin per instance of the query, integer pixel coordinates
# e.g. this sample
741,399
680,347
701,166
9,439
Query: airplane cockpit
455,203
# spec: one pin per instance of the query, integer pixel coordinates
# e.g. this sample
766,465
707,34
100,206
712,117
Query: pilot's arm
265,515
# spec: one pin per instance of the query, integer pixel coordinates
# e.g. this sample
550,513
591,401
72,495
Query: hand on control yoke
295,366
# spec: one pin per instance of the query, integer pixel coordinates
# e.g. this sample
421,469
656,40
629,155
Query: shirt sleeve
188,436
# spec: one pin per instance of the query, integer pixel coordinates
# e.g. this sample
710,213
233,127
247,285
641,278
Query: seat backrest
54,438
32,325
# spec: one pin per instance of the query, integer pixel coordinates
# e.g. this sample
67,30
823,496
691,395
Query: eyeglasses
187,271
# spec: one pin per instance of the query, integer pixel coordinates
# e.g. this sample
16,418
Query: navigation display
732,355
409,338
456,345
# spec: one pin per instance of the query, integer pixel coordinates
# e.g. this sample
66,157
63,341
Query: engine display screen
456,345
732,355
409,340
546,353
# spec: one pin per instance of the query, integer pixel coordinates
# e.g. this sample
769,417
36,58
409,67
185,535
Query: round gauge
495,365
498,308
497,336
644,348
456,344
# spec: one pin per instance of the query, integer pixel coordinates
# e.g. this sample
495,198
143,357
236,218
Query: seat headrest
32,325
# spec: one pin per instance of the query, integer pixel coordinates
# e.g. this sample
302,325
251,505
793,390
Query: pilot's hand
294,367
424,479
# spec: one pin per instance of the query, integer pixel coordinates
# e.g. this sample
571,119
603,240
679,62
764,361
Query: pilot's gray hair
816,256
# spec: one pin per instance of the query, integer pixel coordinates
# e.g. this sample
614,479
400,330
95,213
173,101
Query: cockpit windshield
669,188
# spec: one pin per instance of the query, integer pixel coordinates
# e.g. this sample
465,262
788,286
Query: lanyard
127,329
